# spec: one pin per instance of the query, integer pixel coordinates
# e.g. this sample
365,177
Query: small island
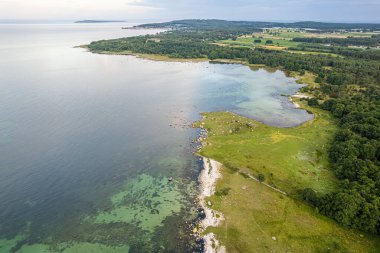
90,21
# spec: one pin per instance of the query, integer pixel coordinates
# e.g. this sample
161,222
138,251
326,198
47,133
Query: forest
349,87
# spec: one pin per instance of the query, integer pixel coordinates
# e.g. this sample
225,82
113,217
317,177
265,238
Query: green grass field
314,53
288,34
282,40
290,159
249,42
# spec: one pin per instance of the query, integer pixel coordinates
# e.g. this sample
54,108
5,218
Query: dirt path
254,178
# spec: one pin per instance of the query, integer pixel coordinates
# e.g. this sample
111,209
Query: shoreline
151,57
212,218
164,58
211,173
298,96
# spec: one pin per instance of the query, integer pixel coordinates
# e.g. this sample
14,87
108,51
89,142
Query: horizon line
27,20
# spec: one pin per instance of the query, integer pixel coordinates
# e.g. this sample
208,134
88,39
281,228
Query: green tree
312,102
309,196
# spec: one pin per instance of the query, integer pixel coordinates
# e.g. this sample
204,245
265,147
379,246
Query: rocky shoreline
207,217
207,179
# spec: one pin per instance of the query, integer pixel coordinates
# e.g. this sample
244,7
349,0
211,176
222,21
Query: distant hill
99,21
212,24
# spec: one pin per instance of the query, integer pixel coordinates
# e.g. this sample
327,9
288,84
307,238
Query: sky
264,10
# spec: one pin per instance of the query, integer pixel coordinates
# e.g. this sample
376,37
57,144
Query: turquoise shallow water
88,142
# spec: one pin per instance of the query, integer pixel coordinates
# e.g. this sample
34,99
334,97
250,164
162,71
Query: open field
249,41
290,34
289,158
314,53
340,35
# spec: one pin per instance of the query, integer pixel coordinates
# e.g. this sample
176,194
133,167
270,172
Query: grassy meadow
290,158
248,40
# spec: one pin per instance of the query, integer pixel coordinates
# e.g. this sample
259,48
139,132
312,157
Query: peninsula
310,188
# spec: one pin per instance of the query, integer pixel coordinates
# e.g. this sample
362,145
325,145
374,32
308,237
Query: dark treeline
333,72
179,44
355,155
349,89
370,54
372,41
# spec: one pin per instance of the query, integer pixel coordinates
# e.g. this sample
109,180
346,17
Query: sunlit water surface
88,142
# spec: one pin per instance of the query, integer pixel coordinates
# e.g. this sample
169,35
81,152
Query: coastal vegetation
327,166
258,218
289,161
